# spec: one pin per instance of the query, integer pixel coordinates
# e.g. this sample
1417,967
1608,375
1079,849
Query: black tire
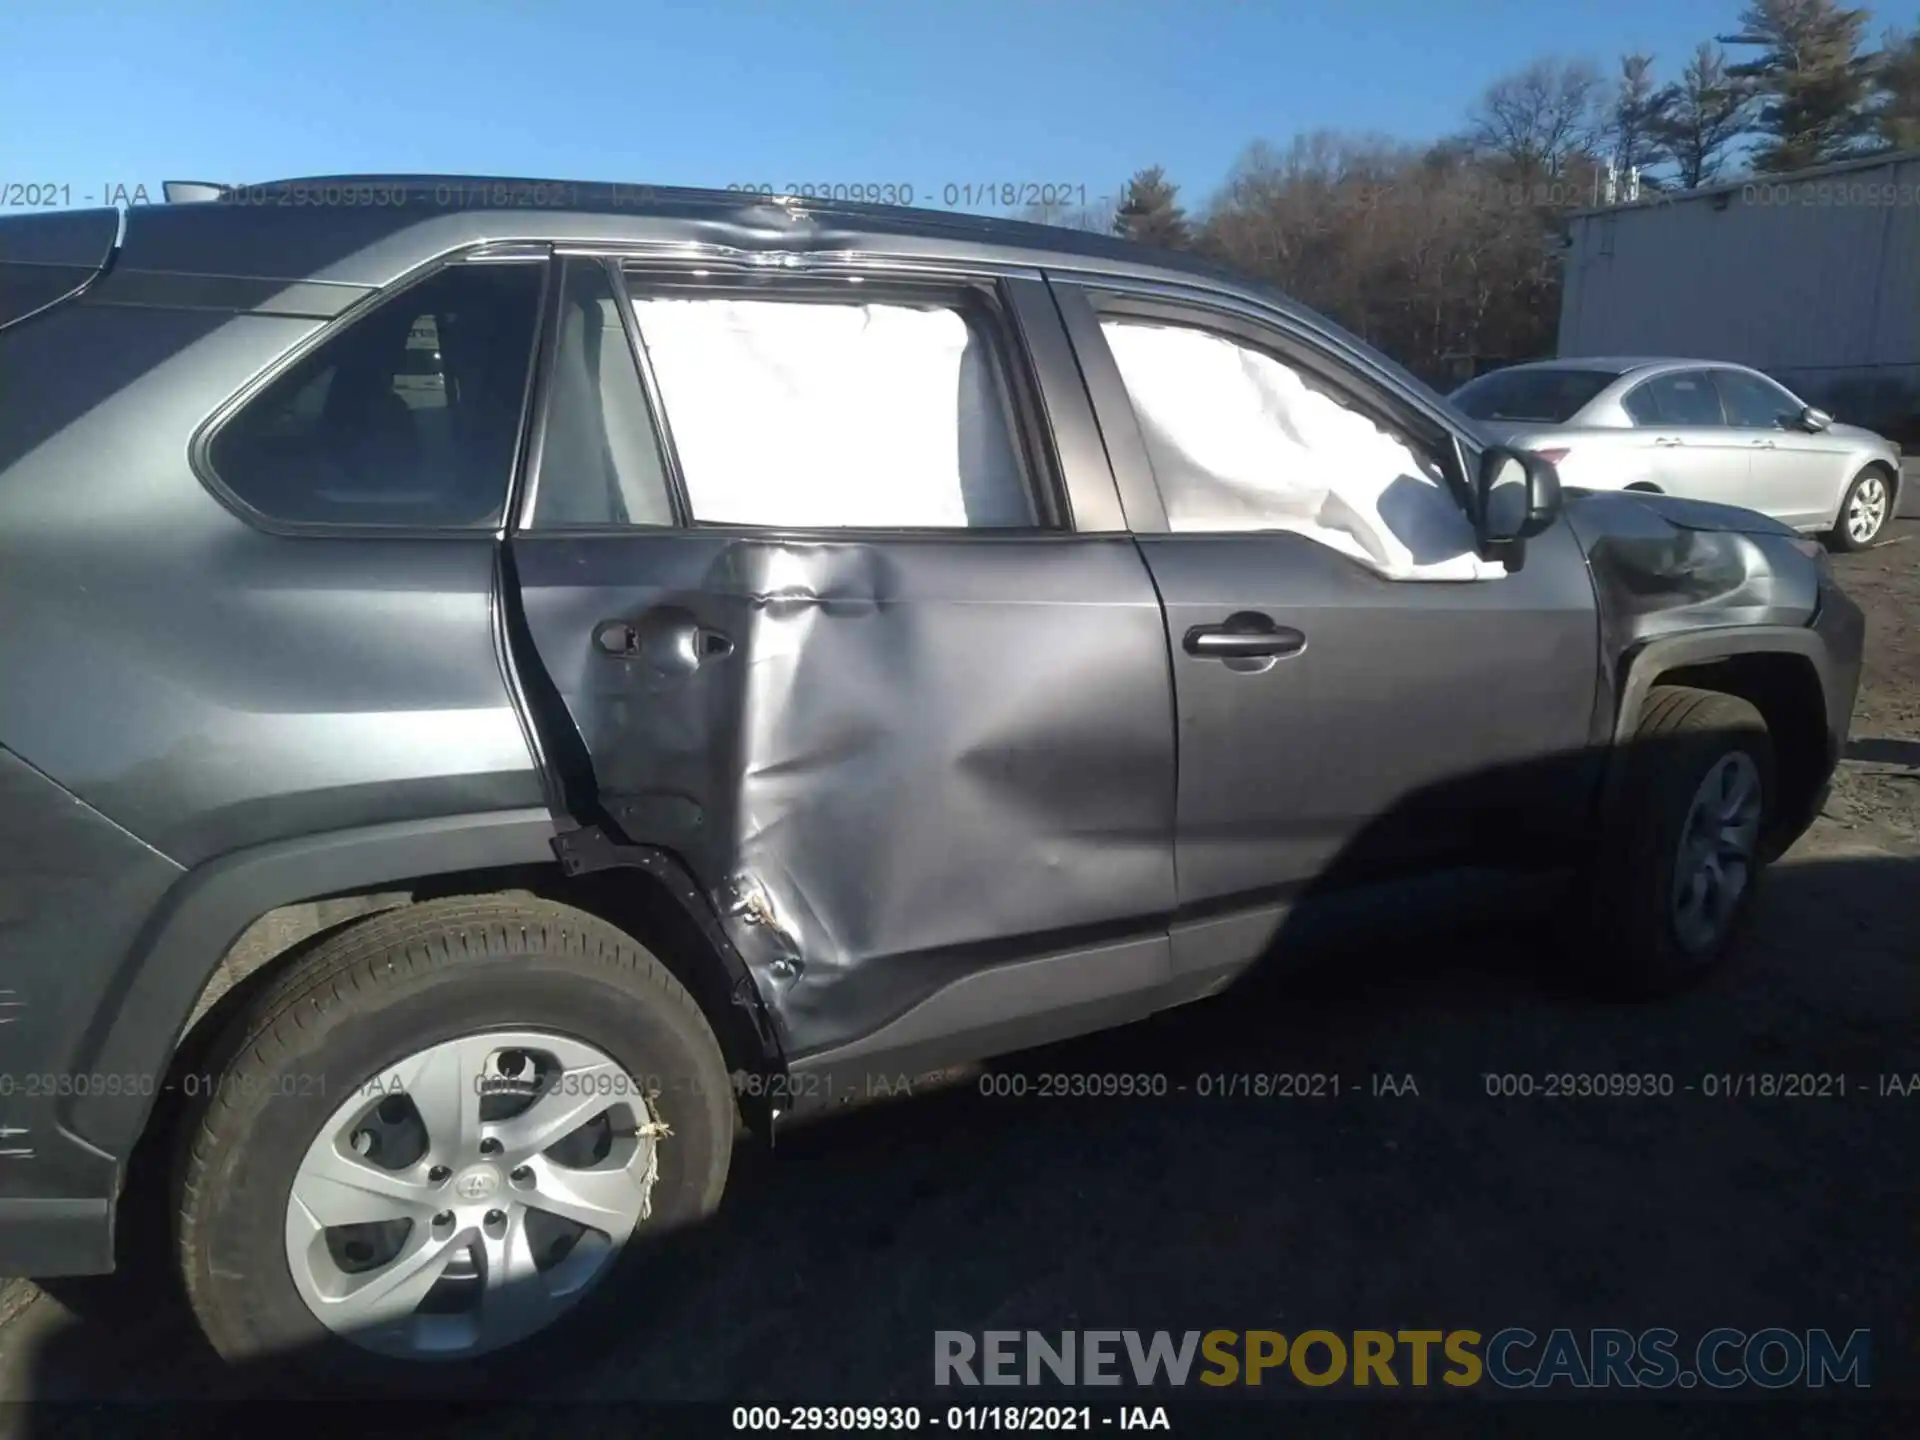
1633,947
1839,538
370,995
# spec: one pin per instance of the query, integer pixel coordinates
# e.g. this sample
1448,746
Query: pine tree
1813,83
1897,113
1634,136
1148,213
1701,116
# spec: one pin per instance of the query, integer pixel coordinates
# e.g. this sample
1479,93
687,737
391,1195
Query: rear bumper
56,1237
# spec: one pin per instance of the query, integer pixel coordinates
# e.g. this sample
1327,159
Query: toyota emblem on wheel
477,1183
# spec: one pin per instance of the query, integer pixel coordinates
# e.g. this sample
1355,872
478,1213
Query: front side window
1753,403
1684,397
1240,441
817,413
409,416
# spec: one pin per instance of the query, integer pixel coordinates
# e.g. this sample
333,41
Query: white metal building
1812,277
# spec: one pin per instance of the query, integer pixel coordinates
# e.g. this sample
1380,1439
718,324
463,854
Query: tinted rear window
409,416
1550,397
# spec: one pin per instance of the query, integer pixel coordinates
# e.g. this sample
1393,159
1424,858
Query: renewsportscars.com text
1512,1358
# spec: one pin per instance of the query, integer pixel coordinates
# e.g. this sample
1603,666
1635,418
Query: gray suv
505,685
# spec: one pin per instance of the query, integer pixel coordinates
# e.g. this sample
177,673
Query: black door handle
1242,637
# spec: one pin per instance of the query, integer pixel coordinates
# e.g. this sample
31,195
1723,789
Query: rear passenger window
817,413
600,460
409,416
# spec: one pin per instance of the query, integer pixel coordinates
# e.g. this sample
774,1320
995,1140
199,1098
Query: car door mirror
1516,496
1813,419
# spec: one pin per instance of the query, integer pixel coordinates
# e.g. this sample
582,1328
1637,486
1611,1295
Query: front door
1342,734
802,568
1794,474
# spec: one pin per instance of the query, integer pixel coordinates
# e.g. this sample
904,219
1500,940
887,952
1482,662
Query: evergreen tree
1701,116
1897,114
1148,212
1813,83
1634,135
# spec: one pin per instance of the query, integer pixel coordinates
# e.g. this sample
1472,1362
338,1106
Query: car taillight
1553,457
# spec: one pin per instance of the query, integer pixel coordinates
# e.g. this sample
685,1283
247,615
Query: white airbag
1239,442
802,414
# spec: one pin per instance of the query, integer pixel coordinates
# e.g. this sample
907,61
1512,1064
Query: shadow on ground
835,1260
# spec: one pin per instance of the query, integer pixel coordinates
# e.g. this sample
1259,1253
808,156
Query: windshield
1548,396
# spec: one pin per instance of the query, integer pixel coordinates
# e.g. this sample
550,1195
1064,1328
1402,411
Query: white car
1702,429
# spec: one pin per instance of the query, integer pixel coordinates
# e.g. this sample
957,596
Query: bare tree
1702,116
1541,118
1814,84
1431,253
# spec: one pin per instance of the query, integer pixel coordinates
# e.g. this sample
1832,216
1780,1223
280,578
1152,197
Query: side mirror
1516,496
1813,419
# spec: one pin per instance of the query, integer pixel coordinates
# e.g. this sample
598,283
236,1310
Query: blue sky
924,93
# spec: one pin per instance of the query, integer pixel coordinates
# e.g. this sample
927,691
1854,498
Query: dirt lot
834,1262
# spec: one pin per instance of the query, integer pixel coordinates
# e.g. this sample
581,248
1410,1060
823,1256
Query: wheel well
1785,689
631,900
1646,488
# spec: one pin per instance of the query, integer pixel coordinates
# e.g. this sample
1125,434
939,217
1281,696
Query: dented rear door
892,755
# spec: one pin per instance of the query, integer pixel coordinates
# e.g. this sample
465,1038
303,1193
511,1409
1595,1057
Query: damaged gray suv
506,685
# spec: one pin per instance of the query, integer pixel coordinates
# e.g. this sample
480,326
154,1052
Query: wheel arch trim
1660,656
152,995
1833,679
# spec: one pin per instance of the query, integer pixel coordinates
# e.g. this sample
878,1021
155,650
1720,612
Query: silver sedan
1702,429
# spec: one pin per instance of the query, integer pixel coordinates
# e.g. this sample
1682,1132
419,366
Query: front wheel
1682,857
1864,512
441,1132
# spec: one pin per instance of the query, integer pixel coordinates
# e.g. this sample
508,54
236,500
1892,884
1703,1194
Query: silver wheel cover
471,1193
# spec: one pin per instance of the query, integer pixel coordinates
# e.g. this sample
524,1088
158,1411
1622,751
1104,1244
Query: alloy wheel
1867,510
1717,848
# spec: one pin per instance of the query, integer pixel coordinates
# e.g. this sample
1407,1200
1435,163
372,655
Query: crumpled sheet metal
1661,565
918,779
921,756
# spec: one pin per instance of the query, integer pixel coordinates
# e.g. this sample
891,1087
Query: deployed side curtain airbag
823,414
1238,441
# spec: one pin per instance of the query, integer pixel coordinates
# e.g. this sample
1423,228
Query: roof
630,198
370,230
1623,364
304,222
1663,199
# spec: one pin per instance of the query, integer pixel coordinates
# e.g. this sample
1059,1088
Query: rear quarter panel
205,684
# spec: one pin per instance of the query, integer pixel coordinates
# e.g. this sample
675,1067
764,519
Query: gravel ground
834,1262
